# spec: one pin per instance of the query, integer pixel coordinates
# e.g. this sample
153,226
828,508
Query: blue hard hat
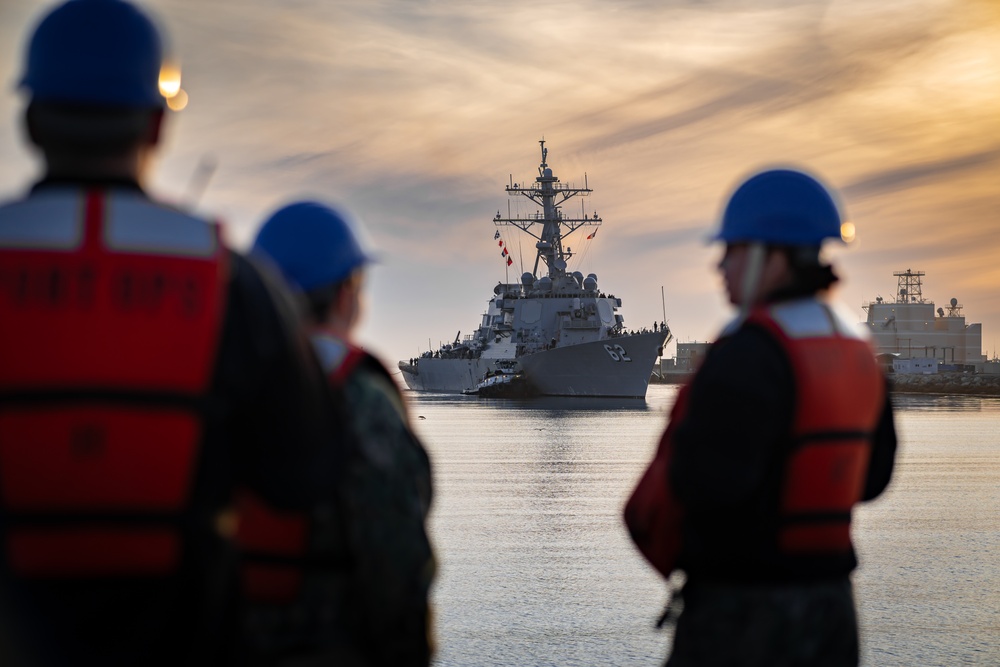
95,52
312,244
780,207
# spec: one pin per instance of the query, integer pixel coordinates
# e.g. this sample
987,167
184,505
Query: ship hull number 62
617,353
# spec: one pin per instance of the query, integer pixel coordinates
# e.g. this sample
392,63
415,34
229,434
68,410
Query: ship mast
548,193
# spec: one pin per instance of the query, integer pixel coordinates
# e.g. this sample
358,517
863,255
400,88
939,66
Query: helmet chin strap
756,252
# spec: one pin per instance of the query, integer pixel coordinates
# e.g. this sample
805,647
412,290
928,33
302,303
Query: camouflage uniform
368,565
386,497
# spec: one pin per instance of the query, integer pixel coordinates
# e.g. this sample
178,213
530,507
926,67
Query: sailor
145,370
367,564
756,506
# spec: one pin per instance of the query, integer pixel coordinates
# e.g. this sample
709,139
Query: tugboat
506,382
559,331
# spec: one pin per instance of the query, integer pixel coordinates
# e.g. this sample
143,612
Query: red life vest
276,543
112,308
652,514
840,393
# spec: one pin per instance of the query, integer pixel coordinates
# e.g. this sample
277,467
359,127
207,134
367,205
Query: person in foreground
368,565
785,426
146,373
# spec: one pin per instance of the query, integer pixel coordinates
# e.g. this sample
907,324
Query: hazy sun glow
847,232
170,80
417,117
178,101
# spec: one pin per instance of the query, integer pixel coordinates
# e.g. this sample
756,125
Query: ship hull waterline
617,367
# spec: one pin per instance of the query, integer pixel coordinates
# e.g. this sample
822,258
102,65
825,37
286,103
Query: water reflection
945,403
661,396
537,568
571,403
553,403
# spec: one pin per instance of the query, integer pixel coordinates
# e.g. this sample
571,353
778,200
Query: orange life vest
112,308
652,514
840,393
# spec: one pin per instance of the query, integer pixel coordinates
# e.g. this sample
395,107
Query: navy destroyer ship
559,331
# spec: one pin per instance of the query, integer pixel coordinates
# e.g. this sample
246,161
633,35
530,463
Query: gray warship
559,331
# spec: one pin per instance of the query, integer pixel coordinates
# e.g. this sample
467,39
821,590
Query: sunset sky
416,112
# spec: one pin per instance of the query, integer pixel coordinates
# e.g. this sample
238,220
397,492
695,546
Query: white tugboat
559,331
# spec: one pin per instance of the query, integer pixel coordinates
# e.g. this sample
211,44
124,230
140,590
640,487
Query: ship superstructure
909,326
559,328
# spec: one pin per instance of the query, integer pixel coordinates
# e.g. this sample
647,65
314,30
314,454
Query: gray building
910,327
689,357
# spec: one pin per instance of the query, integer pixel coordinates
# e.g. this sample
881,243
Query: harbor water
536,567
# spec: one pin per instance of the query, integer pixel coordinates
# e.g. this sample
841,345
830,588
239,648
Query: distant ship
559,332
909,328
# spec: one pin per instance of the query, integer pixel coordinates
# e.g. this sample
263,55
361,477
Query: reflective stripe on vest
115,306
273,545
839,397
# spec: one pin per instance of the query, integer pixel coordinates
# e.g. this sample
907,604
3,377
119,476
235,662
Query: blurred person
355,590
784,427
145,372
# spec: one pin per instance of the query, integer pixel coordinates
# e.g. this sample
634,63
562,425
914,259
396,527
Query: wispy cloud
909,176
416,113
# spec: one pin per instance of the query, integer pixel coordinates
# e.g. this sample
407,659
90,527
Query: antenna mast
549,194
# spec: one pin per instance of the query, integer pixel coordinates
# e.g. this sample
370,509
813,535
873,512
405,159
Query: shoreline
960,384
964,384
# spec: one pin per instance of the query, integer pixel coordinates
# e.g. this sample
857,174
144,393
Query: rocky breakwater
946,383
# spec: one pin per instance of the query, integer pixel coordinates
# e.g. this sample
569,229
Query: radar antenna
548,193
909,286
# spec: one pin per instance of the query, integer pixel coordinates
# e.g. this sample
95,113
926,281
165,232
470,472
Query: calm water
537,569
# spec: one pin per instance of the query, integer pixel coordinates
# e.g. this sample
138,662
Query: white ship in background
560,331
909,328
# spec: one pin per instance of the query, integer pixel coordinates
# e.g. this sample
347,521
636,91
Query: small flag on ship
504,253
509,261
500,243
593,234
497,235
